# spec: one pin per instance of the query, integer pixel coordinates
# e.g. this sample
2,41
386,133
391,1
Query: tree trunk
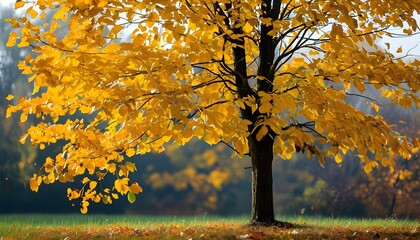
262,212
262,181
394,196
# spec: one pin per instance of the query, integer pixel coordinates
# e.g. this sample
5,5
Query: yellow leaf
10,97
23,117
240,146
23,42
51,178
83,210
135,188
12,39
85,180
59,15
97,198
115,30
121,185
408,31
399,50
262,132
8,112
313,52
112,48
32,12
375,106
290,149
288,154
248,27
19,4
240,103
85,203
336,31
338,158
43,15
187,133
265,107
130,152
92,184
35,182
153,17
111,167
298,60
130,166
368,167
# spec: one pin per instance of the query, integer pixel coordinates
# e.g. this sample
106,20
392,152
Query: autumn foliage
113,79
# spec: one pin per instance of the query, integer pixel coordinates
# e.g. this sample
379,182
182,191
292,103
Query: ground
134,227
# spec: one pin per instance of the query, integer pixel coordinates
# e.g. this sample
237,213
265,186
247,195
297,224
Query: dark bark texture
262,181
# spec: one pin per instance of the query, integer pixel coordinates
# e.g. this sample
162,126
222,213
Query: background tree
201,173
16,161
264,76
397,192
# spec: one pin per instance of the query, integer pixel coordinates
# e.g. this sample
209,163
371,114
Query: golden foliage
153,72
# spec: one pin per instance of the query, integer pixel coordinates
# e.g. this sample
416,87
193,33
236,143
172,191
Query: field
70,227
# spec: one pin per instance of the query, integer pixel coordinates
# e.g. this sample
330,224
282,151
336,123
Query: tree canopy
237,72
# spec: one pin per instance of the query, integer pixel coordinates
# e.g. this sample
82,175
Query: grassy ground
199,227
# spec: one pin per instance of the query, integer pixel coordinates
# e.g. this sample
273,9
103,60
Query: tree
16,162
395,193
202,174
266,77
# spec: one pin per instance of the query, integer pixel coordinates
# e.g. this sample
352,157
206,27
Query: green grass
146,220
358,223
46,226
104,220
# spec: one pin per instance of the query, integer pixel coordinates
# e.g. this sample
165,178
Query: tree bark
262,181
262,212
394,197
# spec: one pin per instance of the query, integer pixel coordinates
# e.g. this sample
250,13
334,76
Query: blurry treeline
199,179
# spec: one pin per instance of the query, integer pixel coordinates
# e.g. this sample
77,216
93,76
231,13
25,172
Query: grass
197,227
